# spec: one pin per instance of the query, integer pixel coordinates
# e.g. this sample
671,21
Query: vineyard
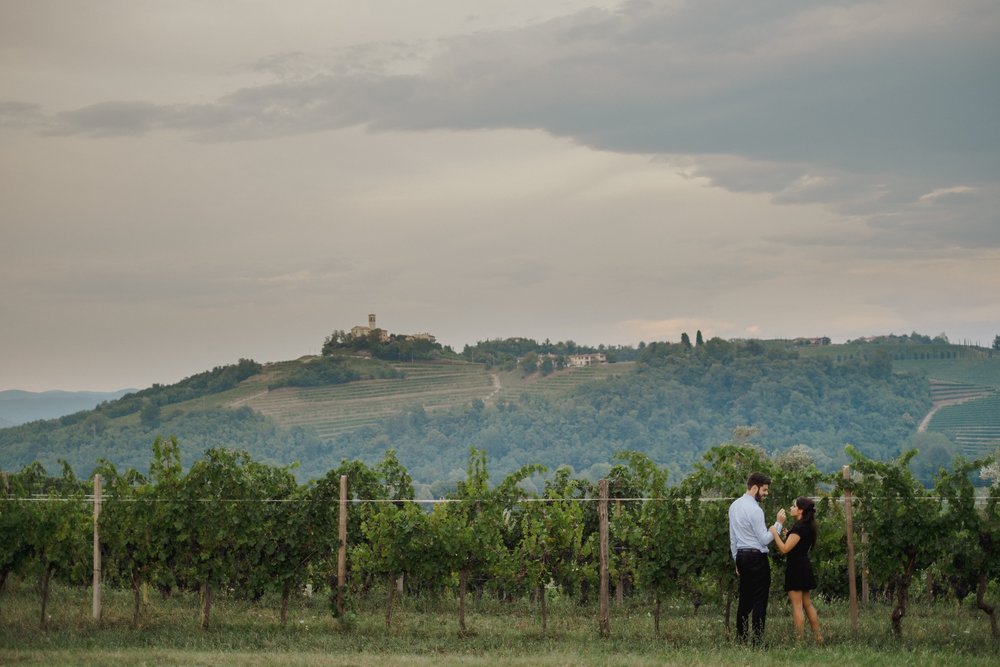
973,425
336,409
561,383
426,385
232,529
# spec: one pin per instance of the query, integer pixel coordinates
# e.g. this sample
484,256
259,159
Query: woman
799,579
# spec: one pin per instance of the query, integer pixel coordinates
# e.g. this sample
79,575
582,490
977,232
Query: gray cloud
22,115
862,106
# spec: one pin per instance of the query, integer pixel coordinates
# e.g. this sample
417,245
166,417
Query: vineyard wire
381,501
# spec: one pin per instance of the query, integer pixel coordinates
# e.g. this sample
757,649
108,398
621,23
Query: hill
672,401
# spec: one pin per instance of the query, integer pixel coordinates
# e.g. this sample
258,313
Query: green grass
425,632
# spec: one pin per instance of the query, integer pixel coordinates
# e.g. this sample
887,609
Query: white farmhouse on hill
586,359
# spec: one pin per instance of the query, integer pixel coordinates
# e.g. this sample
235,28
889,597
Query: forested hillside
674,402
674,405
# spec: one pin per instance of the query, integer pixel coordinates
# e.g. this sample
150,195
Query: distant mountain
19,407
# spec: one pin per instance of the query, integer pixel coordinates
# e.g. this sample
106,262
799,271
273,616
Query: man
748,540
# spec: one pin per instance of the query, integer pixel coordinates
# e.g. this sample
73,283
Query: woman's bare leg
795,597
813,617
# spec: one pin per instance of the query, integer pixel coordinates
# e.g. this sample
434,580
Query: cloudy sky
185,183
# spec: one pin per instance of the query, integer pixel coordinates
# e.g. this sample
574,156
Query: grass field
425,632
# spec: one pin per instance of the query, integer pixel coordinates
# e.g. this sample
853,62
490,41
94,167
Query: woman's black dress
798,569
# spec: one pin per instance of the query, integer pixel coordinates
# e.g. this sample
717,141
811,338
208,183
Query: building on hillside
383,335
823,340
586,359
363,332
421,336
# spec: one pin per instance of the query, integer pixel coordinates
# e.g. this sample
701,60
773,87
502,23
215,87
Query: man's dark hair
758,479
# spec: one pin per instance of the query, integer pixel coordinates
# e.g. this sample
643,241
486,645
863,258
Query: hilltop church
383,335
362,332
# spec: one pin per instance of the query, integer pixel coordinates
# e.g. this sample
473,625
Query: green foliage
905,525
216,380
505,353
50,523
324,371
394,348
334,370
235,526
673,407
126,444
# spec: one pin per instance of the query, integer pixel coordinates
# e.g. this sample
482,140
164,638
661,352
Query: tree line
673,404
232,526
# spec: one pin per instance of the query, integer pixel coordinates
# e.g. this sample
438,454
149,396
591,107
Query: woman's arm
784,546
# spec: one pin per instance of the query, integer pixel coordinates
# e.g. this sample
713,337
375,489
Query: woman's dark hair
808,516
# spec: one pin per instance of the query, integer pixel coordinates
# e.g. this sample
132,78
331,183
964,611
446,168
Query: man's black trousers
755,583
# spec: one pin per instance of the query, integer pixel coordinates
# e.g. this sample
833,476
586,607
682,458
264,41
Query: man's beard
758,497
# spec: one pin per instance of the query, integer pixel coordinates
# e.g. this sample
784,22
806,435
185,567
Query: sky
187,183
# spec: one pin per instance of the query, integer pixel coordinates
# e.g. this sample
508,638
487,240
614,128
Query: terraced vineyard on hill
971,420
513,385
966,395
336,409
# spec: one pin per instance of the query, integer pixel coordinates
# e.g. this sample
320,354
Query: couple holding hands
748,540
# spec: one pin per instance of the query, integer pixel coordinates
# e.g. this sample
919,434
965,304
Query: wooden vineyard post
852,587
602,518
865,596
342,552
97,549
620,587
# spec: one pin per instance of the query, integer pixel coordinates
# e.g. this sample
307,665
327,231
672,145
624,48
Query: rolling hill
673,403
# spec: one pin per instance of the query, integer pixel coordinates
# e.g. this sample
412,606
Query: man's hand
737,570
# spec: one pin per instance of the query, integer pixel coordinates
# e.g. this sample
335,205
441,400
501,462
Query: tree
973,555
698,340
996,342
529,364
128,529
149,416
397,541
656,538
552,537
15,522
218,532
57,530
280,558
895,507
685,340
471,529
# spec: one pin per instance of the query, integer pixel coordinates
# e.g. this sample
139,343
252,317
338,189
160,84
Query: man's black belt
749,551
